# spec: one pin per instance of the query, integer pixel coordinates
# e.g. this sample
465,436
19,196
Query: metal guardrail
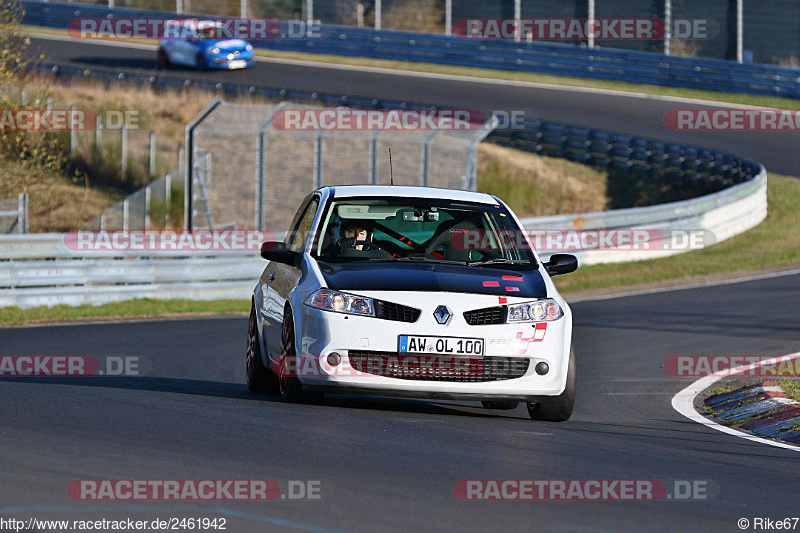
714,217
535,56
42,270
74,278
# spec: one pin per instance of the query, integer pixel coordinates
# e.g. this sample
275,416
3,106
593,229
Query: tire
200,61
560,409
500,405
259,377
163,58
289,386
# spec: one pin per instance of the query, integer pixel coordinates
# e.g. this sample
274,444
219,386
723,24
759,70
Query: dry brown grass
165,112
55,202
535,185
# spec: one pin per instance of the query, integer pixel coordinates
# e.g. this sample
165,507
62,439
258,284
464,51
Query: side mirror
561,264
278,252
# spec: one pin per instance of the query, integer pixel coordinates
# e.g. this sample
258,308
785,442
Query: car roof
403,191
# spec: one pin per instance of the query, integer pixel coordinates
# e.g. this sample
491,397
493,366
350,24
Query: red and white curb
761,401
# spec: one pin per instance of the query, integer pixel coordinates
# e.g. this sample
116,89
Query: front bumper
226,62
322,333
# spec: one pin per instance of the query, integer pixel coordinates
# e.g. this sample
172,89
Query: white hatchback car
416,292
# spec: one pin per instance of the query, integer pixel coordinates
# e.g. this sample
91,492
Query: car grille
392,311
407,366
488,315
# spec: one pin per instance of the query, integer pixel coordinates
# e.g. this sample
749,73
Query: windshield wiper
416,260
498,261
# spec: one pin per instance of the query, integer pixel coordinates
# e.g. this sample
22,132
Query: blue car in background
203,49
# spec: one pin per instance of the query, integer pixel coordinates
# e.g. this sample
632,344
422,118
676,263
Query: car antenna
391,176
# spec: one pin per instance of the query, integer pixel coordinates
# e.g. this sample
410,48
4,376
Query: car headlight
212,50
340,302
538,311
249,47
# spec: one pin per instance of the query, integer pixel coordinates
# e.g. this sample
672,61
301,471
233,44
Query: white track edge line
683,402
755,277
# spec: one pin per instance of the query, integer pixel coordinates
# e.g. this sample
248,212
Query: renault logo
442,314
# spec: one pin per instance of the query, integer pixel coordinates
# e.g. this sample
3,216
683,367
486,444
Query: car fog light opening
334,359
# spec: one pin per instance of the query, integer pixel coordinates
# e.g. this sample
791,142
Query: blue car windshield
421,230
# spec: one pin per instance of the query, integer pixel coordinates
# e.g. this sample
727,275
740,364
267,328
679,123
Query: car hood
227,45
434,278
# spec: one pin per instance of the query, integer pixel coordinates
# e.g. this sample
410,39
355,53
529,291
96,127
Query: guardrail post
360,15
49,104
517,16
125,214
181,160
318,160
373,158
667,25
590,40
309,14
147,199
152,155
124,163
243,10
98,135
167,200
24,97
260,177
739,31
448,17
179,6
102,221
22,217
73,134
378,14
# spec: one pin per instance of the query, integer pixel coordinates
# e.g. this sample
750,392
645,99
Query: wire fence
246,173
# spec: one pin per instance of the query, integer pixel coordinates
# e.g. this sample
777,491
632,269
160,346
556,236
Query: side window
299,234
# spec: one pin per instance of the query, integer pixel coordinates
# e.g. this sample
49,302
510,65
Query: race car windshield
421,230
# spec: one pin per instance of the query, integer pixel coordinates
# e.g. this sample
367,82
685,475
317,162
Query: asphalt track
390,464
613,112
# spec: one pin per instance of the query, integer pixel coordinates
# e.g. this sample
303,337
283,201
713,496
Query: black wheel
163,58
200,61
560,409
290,387
503,405
259,377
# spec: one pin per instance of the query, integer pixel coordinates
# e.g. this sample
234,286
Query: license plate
440,345
237,63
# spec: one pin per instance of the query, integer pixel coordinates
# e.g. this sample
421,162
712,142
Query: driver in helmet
354,235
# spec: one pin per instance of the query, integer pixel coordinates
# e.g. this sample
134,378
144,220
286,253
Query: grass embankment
131,309
531,77
772,244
